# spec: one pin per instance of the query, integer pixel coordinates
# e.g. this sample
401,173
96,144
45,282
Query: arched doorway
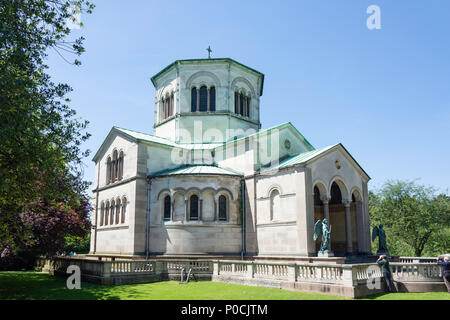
358,223
318,210
337,221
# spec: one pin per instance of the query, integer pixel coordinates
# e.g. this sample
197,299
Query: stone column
216,210
348,226
200,209
197,108
360,226
185,210
207,99
326,210
239,103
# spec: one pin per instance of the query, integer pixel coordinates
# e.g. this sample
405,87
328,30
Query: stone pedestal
325,254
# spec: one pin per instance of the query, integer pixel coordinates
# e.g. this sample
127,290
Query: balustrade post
106,269
216,265
159,266
292,272
271,270
349,275
251,270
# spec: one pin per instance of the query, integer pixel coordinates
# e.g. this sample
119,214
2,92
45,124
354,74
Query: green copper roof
304,157
299,158
197,170
147,137
212,60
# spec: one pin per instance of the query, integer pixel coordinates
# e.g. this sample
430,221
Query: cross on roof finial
209,52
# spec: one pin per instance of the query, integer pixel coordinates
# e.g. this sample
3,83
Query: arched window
222,208
193,206
111,213
117,210
164,108
241,104
107,213
167,210
115,163
171,105
248,106
203,99
236,102
124,209
121,165
193,99
212,99
102,213
108,171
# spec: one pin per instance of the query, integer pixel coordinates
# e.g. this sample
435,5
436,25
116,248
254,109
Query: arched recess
167,88
106,213
226,192
236,80
163,193
112,211
102,213
320,194
342,187
338,193
274,187
358,221
117,210
215,80
124,210
208,205
179,205
275,205
189,192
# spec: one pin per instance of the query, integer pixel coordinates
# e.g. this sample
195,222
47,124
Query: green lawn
35,285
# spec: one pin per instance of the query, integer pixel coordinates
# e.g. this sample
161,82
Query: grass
41,286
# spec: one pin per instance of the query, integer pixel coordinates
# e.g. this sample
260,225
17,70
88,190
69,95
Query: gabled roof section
300,158
135,137
278,127
197,170
306,157
153,79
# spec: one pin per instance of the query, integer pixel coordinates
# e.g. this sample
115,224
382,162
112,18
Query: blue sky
384,94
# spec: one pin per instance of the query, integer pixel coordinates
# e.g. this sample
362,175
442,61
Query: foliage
41,173
416,219
32,286
80,245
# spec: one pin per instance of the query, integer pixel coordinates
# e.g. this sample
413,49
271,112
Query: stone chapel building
210,181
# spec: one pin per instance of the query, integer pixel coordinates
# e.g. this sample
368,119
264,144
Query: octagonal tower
207,101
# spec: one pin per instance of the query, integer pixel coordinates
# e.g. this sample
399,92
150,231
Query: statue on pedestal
321,228
381,234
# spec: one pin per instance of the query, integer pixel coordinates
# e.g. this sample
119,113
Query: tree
415,217
41,171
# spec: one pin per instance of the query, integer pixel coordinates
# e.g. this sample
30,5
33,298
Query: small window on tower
203,98
193,99
212,99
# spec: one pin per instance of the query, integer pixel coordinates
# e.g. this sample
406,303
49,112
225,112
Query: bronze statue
381,234
321,229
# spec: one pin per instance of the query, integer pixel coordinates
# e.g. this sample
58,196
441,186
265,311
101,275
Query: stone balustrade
316,277
417,259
